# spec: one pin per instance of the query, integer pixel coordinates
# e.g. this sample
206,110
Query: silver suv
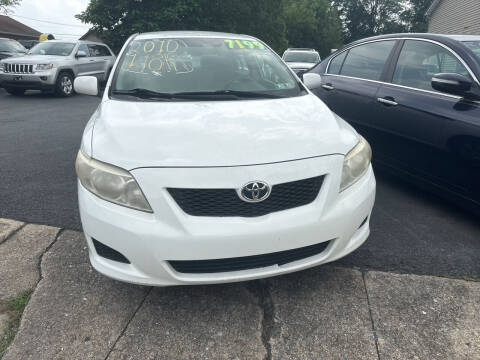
51,66
301,59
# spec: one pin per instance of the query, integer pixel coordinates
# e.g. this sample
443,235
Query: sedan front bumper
152,242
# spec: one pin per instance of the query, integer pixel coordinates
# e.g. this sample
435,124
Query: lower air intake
109,253
247,262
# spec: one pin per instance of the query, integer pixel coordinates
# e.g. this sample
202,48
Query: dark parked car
9,48
28,44
416,98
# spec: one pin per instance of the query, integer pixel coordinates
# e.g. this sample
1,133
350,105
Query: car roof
428,36
464,37
301,49
73,42
190,34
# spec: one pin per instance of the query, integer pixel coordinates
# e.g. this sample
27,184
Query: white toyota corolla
208,161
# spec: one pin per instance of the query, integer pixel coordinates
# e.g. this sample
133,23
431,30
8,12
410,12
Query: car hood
300,65
215,133
8,54
35,59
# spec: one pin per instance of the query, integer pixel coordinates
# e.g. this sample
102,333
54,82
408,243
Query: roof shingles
12,27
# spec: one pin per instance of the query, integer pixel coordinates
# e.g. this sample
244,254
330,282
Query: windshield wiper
143,93
150,94
235,93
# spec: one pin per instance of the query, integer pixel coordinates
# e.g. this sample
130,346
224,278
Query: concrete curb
325,312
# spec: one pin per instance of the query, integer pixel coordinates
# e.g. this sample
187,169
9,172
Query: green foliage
5,4
14,308
415,16
319,24
116,20
314,24
363,18
18,303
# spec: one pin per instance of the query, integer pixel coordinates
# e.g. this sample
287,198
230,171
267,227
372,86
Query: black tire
15,91
64,85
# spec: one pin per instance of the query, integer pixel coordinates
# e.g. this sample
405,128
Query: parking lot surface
328,312
412,231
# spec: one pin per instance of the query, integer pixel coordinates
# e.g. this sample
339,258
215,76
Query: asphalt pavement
412,231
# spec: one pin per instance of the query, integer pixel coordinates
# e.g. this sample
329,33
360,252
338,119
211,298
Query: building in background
454,17
12,29
92,36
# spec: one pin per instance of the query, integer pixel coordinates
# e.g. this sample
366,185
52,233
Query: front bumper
149,241
44,80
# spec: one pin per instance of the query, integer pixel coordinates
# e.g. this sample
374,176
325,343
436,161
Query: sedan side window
420,60
336,64
367,61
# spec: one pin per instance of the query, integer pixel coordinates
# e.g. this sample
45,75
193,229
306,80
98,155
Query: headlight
356,163
110,183
44,67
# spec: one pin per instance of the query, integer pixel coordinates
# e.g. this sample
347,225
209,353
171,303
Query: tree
415,16
5,4
116,20
363,18
314,24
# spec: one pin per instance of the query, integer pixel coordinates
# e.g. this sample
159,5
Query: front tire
15,92
64,85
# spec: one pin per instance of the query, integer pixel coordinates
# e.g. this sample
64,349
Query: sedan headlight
44,67
356,163
110,183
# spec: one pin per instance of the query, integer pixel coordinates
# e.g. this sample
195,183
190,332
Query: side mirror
80,54
455,84
312,80
87,85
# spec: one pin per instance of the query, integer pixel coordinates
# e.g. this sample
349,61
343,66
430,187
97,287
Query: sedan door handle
389,102
328,87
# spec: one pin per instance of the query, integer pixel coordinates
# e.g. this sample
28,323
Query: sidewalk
323,313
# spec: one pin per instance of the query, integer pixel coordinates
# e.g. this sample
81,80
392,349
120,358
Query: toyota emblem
254,191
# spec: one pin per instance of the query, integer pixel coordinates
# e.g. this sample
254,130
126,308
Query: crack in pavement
260,289
371,316
40,259
122,333
12,234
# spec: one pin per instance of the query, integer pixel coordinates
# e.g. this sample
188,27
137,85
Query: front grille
225,202
247,262
18,68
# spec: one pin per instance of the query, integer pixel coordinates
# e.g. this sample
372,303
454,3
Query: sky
57,11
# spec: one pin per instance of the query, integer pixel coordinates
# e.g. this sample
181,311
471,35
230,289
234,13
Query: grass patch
14,310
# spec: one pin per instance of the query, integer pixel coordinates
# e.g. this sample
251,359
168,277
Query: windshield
301,56
11,46
52,48
474,46
202,66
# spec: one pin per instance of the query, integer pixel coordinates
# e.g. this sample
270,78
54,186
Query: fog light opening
109,253
363,222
